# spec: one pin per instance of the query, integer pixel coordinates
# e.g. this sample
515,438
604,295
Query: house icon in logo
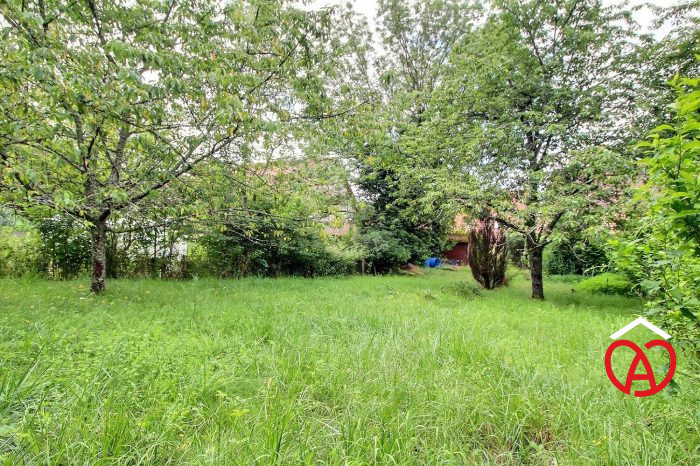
640,321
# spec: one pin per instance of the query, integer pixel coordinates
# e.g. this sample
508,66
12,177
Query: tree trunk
99,261
535,253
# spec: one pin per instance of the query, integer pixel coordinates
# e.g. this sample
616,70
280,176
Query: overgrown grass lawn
391,370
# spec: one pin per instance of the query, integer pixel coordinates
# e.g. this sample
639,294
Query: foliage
417,38
265,219
607,283
661,249
65,246
57,246
567,278
488,253
227,372
671,52
385,250
150,242
259,219
163,267
20,252
105,104
347,253
520,122
516,250
395,214
464,289
574,257
296,251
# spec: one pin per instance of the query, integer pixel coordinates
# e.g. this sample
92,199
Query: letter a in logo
640,356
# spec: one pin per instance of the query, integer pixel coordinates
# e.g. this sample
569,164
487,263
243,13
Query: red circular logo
640,357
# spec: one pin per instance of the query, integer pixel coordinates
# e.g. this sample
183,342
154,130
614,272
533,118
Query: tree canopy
525,126
258,129
106,103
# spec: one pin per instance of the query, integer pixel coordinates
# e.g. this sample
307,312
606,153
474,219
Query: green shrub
65,246
292,251
607,283
59,246
20,252
345,259
660,249
574,257
463,289
385,251
516,250
393,224
488,253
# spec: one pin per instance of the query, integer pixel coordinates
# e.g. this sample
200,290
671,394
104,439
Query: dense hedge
269,252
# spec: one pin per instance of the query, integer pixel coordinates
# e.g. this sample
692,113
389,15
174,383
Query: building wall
458,253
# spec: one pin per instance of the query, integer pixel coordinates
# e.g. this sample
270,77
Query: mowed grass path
390,370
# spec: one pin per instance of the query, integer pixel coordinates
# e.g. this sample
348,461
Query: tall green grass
391,370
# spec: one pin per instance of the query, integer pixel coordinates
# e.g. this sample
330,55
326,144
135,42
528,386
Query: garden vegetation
163,149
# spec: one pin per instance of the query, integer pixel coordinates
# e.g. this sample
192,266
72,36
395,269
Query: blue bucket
432,262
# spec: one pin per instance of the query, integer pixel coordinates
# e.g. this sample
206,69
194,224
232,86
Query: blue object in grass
432,262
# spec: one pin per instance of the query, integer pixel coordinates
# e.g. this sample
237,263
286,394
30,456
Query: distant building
460,236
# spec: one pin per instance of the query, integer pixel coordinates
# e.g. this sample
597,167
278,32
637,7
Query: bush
574,257
20,252
65,246
331,261
345,259
488,254
393,225
660,249
516,250
463,289
291,251
607,283
385,252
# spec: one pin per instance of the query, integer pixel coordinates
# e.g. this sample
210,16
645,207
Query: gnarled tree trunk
535,253
99,260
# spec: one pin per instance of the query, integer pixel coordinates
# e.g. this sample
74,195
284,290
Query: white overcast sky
369,8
